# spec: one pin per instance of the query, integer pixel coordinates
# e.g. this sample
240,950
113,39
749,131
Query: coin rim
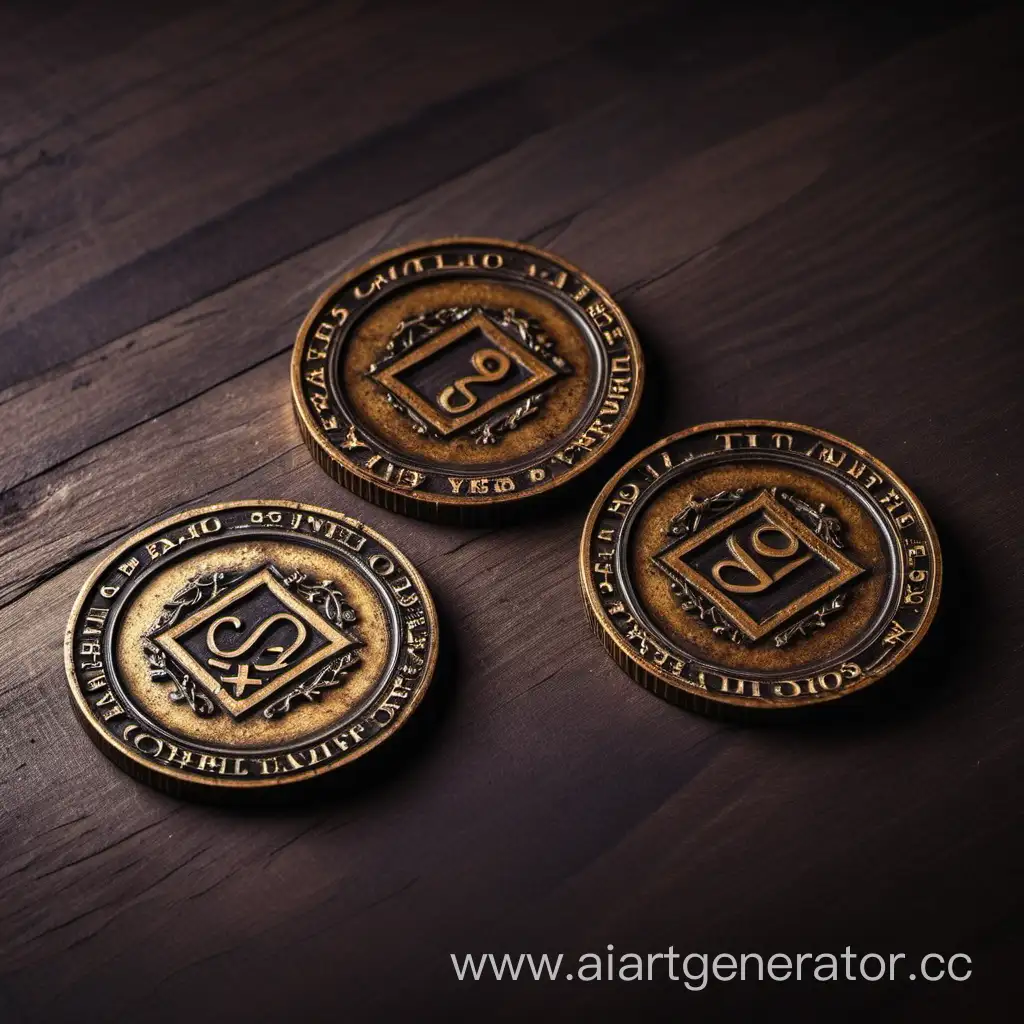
321,446
648,676
120,752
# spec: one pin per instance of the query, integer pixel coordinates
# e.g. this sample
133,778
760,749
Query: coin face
455,378
249,644
760,565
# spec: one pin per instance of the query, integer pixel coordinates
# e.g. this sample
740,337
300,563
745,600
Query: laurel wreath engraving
332,675
531,335
816,620
325,596
528,331
418,329
825,524
696,510
491,430
694,603
162,669
195,592
420,425
330,601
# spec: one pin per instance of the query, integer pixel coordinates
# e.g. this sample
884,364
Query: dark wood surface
809,214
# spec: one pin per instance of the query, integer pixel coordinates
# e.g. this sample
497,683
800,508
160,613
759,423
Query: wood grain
809,215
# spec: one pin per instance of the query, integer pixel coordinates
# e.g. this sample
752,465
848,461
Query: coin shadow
654,417
934,673
378,770
571,500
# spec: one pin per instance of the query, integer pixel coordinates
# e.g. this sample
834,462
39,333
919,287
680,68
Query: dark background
810,212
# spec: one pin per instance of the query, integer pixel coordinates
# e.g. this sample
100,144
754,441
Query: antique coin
451,379
248,644
756,564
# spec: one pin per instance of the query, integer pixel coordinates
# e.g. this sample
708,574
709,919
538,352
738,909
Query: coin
249,644
753,564
452,379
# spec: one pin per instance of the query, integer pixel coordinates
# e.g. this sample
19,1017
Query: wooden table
809,215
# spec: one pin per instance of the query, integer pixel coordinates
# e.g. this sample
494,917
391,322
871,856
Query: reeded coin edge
351,475
678,691
160,777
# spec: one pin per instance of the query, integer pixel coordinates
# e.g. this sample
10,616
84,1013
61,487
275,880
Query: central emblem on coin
452,368
251,641
758,564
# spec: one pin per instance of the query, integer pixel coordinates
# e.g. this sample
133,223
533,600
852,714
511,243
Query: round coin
451,379
247,645
758,565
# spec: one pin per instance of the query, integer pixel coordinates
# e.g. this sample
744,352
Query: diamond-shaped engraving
463,373
759,565
251,642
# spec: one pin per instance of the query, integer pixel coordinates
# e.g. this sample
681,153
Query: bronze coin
247,645
452,379
758,565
